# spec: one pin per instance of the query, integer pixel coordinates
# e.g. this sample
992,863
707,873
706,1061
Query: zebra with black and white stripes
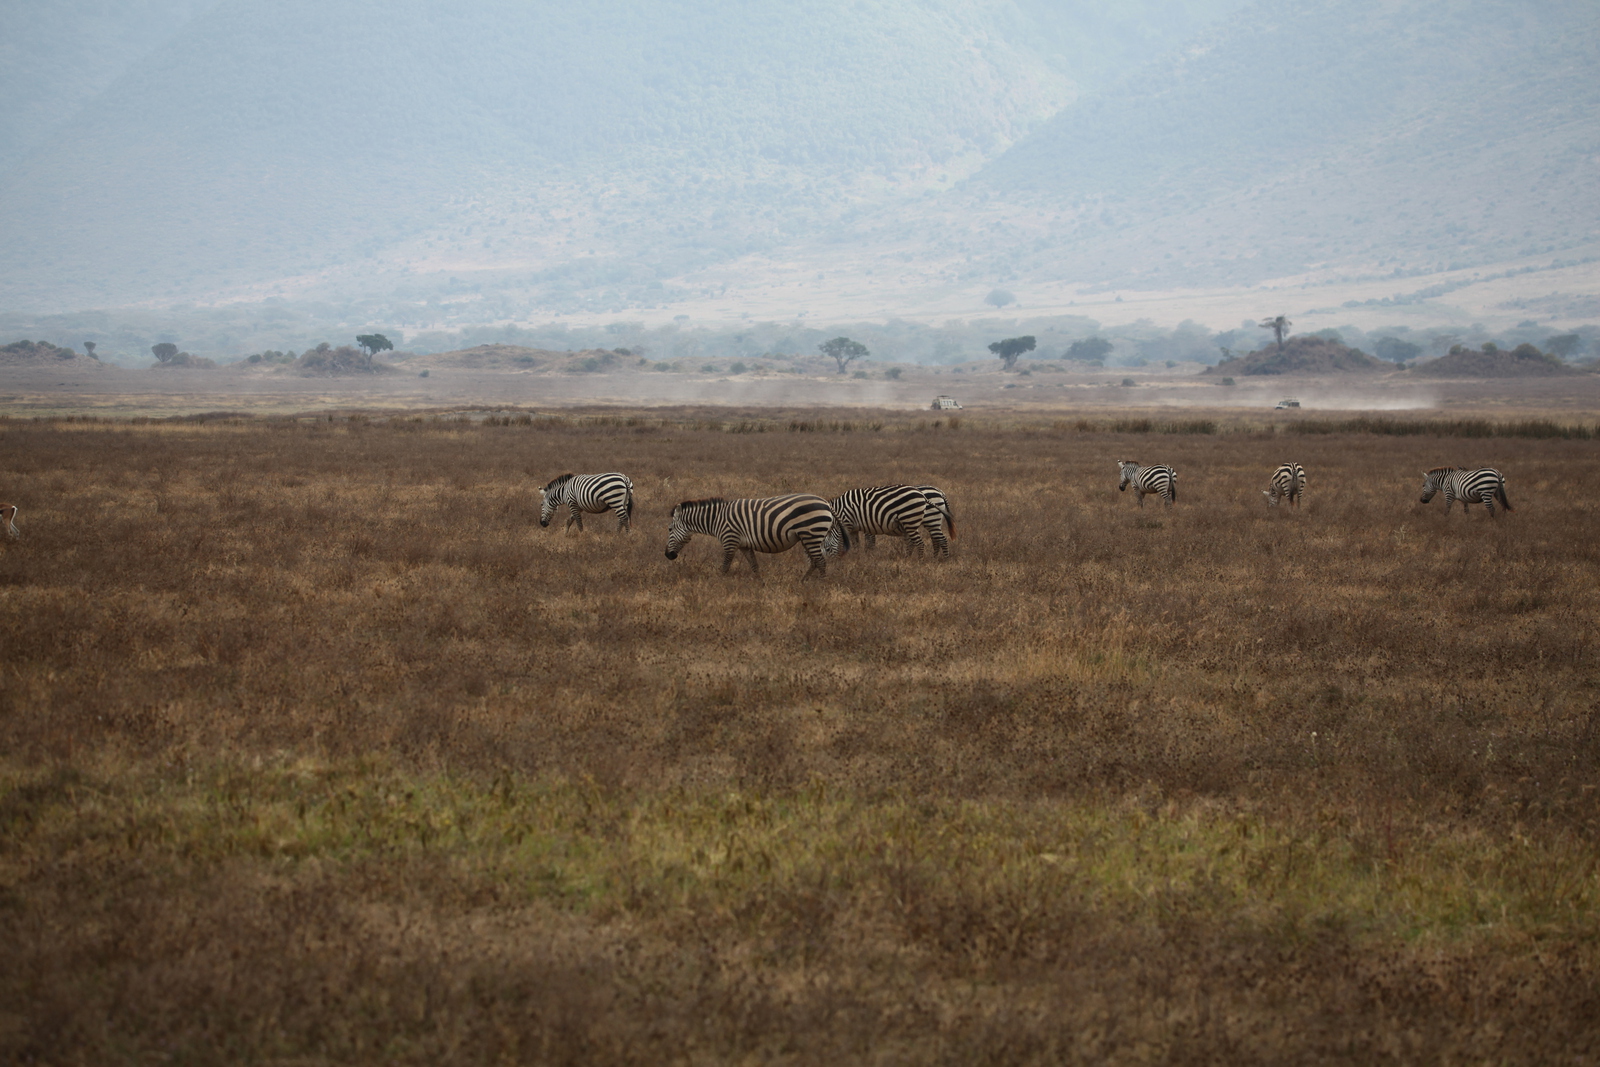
1466,484
594,493
1288,483
771,524
1159,480
890,510
8,513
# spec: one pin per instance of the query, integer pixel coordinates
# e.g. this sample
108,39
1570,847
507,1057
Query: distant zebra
1160,480
891,510
594,493
1288,483
1460,483
774,524
8,512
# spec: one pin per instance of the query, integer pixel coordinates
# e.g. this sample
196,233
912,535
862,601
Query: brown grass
318,749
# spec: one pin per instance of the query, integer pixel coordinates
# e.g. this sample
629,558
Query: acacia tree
164,351
843,351
1279,327
1011,348
88,347
373,343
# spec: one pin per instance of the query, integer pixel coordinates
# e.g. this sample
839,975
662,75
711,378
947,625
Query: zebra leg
750,558
819,560
914,542
871,539
941,543
1140,494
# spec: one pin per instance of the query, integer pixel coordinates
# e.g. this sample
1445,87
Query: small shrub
1127,381
737,368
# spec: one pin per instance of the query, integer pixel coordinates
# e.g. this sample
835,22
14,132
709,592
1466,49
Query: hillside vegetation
1307,354
599,157
1524,361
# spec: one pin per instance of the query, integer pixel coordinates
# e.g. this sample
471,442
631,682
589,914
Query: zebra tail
844,538
950,522
1500,491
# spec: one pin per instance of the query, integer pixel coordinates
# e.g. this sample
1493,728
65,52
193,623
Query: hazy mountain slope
1303,135
266,140
57,55
264,137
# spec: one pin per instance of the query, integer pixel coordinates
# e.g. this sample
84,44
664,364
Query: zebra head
1129,469
8,512
551,497
678,532
1433,481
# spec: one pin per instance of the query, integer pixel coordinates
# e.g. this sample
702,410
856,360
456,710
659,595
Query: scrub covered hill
1303,355
1524,361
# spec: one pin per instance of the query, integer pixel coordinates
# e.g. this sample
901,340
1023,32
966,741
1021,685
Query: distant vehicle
945,403
1287,402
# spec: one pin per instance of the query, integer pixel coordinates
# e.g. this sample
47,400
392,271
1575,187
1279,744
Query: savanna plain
316,748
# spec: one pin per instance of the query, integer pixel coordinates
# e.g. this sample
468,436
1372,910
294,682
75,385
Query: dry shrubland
318,749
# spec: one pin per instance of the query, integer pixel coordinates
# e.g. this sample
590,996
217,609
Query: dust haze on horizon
224,168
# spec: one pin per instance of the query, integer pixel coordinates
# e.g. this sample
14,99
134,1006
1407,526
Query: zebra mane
1442,470
706,500
563,480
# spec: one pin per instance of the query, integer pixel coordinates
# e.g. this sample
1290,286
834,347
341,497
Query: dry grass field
315,748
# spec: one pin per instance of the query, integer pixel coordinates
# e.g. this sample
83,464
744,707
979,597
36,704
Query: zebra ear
541,492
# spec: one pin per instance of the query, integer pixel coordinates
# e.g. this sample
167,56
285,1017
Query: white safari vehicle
1287,402
945,403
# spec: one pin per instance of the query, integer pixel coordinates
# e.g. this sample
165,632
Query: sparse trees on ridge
1011,348
1089,350
164,351
373,343
1279,327
843,351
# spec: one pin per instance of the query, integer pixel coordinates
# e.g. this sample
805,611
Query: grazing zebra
8,512
891,510
1159,480
1459,483
1288,483
594,493
774,524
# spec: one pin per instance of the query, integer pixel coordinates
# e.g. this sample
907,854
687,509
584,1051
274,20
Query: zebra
1460,483
1158,480
594,493
8,513
1288,483
773,524
891,510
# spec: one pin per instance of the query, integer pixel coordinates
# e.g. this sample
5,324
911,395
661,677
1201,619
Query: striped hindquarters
1484,484
594,493
1288,483
892,510
939,519
1158,480
769,524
